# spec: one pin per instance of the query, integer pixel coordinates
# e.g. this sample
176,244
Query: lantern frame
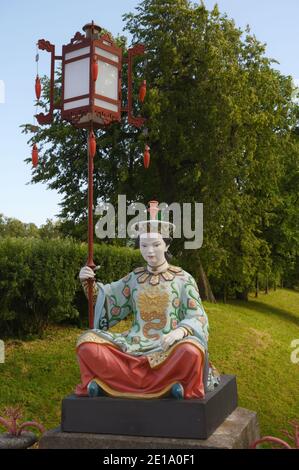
92,114
47,46
81,116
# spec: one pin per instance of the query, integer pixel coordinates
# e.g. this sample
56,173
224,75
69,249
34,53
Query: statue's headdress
154,224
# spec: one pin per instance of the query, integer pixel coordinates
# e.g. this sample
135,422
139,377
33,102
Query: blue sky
22,23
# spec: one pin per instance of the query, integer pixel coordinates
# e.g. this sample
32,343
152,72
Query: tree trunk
267,285
224,295
256,286
274,286
242,295
205,289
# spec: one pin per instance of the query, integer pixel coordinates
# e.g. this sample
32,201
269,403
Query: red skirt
123,375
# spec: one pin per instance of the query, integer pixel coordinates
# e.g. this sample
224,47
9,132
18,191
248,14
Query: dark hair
167,240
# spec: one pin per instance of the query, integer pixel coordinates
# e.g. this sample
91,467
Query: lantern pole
90,263
98,110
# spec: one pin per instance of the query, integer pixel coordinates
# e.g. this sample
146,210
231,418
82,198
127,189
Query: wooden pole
90,263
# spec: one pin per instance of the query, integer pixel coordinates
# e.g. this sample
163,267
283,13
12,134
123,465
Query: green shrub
39,281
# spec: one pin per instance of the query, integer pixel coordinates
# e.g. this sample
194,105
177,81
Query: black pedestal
165,417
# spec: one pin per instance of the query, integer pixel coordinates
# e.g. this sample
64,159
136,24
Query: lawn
251,340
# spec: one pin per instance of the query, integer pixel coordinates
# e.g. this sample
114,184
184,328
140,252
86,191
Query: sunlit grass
253,341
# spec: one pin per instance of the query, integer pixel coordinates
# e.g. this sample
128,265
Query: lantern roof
92,31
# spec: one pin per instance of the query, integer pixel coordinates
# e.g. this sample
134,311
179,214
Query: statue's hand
86,273
171,338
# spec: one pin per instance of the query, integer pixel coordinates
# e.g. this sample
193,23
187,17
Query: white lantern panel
107,81
77,53
107,54
76,104
76,78
106,105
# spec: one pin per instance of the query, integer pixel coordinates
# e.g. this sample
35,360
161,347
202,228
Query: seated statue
165,351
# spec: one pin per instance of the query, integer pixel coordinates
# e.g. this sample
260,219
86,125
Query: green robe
158,303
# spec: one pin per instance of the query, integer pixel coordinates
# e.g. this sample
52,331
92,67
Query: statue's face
153,248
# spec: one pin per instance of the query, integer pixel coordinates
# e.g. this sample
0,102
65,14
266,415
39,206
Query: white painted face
153,248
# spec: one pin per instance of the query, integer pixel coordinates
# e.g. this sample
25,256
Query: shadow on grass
267,309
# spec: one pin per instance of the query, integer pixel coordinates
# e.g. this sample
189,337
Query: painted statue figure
165,352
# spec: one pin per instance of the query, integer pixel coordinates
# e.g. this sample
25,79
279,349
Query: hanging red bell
92,144
38,87
142,91
94,69
34,155
146,157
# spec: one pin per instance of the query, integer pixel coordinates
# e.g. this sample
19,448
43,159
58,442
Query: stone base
238,431
166,417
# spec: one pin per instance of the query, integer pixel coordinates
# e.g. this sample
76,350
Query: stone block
166,417
238,431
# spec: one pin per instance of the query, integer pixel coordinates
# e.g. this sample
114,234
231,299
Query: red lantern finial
146,157
38,87
94,68
142,91
34,156
92,144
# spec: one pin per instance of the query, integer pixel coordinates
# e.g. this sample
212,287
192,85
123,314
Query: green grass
251,340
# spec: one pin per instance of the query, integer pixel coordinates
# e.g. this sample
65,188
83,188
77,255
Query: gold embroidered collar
154,279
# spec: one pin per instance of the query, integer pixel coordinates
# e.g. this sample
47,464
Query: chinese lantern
94,68
38,87
92,144
146,157
142,91
34,155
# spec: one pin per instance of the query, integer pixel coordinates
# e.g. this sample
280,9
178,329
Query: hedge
39,281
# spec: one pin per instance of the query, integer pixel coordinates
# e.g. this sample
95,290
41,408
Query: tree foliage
222,131
11,227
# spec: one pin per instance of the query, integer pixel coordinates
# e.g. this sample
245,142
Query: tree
220,120
11,227
51,229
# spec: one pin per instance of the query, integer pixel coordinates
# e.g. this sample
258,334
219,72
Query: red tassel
146,157
38,87
142,91
92,144
94,69
34,155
